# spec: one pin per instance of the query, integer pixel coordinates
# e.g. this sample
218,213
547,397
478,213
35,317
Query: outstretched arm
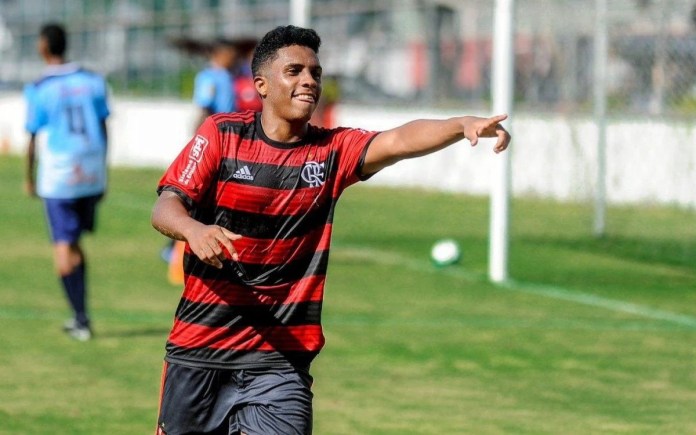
425,136
209,242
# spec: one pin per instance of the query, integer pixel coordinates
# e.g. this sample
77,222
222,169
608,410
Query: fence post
502,84
300,12
600,115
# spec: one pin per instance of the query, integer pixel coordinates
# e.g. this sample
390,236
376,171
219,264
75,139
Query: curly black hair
280,37
55,37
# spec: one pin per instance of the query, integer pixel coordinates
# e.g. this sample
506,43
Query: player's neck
54,60
217,65
282,130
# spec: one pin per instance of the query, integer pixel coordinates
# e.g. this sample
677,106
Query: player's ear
261,85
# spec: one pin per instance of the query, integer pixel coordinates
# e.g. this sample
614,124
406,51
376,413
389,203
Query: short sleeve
204,90
195,170
352,145
36,115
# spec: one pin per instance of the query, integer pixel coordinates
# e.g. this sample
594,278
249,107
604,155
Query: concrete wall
553,156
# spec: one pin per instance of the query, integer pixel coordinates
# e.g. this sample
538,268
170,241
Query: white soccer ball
445,252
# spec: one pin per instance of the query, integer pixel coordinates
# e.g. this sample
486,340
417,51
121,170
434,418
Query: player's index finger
498,118
230,235
227,243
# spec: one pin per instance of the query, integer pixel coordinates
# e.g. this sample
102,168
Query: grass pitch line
598,301
390,258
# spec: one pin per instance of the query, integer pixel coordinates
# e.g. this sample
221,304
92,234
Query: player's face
291,84
226,57
42,47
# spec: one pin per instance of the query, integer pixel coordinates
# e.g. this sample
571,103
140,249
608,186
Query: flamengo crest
313,173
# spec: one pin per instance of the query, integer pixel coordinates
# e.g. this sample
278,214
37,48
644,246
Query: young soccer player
253,196
70,104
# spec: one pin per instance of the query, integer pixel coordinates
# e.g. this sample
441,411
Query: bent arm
424,136
30,177
211,243
170,216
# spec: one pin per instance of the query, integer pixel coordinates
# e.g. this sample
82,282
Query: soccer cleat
81,334
77,331
69,325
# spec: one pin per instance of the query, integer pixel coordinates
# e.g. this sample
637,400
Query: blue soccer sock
75,290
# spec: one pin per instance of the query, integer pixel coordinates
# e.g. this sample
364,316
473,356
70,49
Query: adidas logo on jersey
243,173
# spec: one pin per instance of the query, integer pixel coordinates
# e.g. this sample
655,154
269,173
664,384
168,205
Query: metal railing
425,51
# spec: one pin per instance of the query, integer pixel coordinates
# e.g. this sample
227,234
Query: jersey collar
275,143
62,69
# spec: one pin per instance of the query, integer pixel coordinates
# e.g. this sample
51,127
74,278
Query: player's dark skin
290,86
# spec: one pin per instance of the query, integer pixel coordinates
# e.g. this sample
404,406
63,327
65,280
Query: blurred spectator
247,98
214,90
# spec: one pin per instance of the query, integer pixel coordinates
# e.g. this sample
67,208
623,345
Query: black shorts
225,402
69,218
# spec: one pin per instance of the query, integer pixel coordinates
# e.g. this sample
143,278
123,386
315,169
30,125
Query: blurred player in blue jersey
213,89
69,104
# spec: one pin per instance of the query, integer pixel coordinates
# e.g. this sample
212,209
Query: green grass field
592,336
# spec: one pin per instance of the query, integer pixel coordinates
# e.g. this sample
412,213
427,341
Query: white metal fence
402,51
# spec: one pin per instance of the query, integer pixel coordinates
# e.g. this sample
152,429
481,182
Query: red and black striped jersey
265,309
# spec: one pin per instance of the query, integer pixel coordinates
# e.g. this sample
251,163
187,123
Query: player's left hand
212,244
488,127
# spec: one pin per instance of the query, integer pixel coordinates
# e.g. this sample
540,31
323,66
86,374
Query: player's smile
306,97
